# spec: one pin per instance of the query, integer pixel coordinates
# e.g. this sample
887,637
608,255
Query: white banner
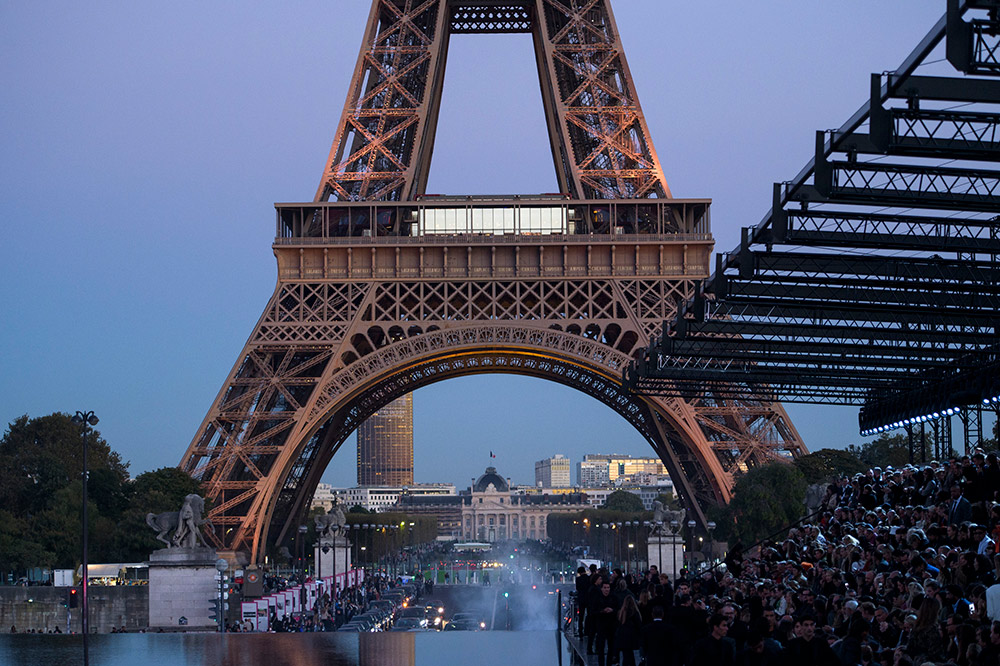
248,612
263,614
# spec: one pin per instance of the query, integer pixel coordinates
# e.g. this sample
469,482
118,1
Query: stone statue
664,517
186,524
332,524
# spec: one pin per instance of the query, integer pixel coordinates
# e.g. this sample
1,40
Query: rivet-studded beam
601,145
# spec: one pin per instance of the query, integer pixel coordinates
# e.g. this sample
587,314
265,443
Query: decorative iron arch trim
579,363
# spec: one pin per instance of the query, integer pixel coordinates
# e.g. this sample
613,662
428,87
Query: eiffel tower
383,289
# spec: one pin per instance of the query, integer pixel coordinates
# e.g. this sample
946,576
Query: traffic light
73,598
215,612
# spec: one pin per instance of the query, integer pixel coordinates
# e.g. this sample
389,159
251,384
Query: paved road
510,607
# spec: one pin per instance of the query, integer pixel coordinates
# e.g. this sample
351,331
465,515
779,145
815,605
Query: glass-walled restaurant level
537,215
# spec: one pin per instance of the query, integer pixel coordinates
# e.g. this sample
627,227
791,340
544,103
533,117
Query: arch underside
285,414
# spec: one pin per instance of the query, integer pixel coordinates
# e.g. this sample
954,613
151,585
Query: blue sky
143,146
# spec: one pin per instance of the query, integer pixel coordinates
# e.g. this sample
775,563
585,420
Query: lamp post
618,550
628,542
674,528
710,525
302,549
85,419
364,548
412,553
658,527
221,565
691,525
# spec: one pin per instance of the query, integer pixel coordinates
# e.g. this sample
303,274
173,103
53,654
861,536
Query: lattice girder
282,413
601,145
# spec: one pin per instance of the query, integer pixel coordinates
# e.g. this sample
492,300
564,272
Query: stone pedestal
337,550
666,551
182,585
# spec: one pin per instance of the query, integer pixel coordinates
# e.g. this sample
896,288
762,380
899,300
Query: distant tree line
41,501
41,497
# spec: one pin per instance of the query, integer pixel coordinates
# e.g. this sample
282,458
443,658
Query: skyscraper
552,472
385,445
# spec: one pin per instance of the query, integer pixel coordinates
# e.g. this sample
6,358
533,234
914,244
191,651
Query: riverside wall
41,608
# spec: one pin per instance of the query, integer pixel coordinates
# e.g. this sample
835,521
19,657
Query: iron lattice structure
385,290
873,280
600,143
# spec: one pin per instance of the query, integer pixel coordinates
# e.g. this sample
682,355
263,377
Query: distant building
323,497
385,445
599,470
592,474
597,497
377,499
553,472
491,511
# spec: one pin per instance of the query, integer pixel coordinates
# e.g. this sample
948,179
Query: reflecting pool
491,648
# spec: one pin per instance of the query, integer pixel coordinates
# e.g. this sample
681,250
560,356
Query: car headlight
482,625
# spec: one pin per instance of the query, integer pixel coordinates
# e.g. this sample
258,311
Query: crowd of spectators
899,567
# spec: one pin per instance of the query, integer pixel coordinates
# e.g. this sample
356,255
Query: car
366,621
465,625
464,616
354,628
384,604
418,614
408,624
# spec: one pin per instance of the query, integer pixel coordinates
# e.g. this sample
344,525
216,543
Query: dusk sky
144,144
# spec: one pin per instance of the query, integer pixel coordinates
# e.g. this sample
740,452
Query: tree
892,450
357,508
765,499
41,455
823,465
623,500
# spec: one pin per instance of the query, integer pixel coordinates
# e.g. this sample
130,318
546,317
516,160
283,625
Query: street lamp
618,550
628,553
302,548
221,565
691,525
674,527
710,525
412,553
84,419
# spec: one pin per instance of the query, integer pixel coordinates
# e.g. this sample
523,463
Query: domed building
490,481
491,511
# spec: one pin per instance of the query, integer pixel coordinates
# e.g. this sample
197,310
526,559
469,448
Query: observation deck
493,236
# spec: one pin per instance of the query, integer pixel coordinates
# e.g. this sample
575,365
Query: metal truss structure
385,289
600,142
874,278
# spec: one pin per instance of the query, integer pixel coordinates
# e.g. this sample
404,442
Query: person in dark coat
657,641
605,612
807,647
714,649
959,508
582,589
592,597
629,633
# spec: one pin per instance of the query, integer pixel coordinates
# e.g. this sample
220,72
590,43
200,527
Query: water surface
491,648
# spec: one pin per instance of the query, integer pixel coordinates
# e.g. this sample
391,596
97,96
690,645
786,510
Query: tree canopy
41,495
765,499
826,464
889,449
623,500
